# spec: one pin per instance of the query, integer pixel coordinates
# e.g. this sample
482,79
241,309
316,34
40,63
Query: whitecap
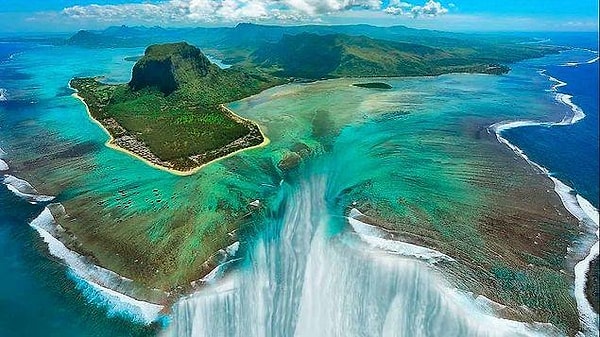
23,189
575,64
93,281
380,239
227,259
3,165
3,95
575,204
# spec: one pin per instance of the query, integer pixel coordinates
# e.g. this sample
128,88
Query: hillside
324,56
170,112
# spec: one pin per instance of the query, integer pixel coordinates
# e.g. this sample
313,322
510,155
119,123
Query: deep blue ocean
38,298
570,152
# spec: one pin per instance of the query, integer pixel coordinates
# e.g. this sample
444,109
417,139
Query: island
172,113
373,85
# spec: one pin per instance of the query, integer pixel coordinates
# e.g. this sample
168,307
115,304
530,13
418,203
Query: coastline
110,142
575,204
110,285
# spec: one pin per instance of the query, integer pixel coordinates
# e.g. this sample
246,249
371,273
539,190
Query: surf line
89,276
578,206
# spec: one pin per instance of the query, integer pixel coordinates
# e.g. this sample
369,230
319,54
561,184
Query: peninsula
172,112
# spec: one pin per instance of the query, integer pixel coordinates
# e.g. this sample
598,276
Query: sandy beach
110,143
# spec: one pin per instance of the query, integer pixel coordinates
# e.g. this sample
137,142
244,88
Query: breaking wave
23,189
95,283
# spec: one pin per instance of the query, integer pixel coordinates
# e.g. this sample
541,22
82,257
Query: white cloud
216,11
430,9
398,7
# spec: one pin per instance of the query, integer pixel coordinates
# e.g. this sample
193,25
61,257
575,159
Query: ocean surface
46,137
570,152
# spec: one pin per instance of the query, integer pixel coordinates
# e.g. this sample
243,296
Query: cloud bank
215,11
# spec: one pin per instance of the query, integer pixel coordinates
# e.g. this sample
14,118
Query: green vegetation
329,56
172,107
373,85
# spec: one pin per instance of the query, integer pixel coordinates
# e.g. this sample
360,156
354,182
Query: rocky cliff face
167,67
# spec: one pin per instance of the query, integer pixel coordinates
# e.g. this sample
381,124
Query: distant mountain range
325,56
315,51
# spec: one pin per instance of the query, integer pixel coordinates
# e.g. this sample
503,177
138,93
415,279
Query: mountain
88,39
182,71
168,67
324,56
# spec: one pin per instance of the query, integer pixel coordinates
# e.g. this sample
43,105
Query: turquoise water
404,148
39,296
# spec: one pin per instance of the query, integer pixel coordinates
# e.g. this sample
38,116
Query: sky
450,15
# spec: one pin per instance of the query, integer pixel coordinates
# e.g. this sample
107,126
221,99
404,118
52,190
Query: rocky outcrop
167,66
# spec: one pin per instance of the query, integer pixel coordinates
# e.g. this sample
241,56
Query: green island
373,85
176,113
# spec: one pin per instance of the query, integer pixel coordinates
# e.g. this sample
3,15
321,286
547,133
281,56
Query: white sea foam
23,189
588,316
227,259
92,280
3,95
575,64
575,204
3,165
578,113
380,239
218,271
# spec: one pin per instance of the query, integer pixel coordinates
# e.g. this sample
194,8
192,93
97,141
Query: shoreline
110,142
379,238
85,274
575,204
